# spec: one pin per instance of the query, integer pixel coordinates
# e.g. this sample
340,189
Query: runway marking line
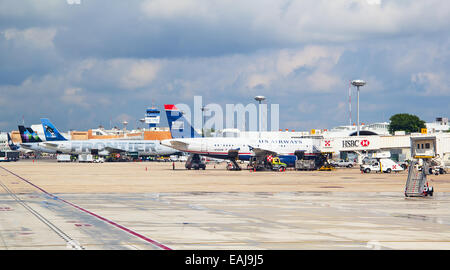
92,214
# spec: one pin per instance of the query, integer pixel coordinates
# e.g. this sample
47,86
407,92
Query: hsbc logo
365,143
355,143
327,143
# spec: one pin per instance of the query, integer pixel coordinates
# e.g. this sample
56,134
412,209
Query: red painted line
93,214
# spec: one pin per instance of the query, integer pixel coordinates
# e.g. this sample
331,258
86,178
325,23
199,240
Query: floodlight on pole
203,120
358,83
260,99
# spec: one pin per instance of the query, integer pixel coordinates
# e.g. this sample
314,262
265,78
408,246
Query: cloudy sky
101,62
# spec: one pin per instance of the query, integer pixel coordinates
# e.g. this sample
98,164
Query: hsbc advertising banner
352,143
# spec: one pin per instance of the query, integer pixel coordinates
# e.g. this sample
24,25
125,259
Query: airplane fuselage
105,147
220,147
39,147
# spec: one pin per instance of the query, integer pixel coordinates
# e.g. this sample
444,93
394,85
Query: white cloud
175,8
323,81
41,38
124,73
74,95
374,2
140,73
307,20
434,84
259,80
310,56
317,62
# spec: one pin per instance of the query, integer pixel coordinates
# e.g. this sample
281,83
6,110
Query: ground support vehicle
196,162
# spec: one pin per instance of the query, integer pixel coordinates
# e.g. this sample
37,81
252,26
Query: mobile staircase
417,184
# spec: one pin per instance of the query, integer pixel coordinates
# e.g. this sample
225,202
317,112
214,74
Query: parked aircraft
101,147
11,144
32,142
186,139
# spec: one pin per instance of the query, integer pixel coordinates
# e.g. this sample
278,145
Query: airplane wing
51,145
179,145
261,151
114,150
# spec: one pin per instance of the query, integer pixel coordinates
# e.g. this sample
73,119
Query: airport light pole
259,99
142,120
358,83
203,120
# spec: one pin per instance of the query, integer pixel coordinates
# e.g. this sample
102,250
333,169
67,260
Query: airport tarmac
148,205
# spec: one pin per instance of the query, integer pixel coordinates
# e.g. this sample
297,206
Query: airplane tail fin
12,146
50,131
179,126
28,136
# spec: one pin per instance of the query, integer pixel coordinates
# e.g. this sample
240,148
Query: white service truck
381,164
342,163
9,155
85,158
63,158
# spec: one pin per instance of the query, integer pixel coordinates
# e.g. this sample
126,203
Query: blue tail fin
50,131
28,136
12,146
179,126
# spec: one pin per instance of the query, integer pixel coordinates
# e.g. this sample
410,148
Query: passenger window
427,146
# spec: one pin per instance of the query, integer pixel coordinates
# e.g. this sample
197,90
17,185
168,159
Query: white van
85,158
63,158
387,165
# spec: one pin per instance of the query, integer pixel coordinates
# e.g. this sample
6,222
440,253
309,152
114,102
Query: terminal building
374,139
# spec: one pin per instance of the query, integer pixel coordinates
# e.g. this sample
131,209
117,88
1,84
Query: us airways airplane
186,139
57,142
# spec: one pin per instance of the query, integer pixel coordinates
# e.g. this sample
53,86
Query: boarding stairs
233,166
416,184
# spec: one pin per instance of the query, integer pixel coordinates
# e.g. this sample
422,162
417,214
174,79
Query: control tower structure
152,117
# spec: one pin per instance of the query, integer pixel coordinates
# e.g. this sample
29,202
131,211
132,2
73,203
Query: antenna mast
350,102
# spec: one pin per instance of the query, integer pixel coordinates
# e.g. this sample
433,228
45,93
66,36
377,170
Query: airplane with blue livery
32,142
101,147
186,139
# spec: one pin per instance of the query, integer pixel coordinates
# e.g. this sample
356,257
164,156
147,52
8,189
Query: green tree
407,122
